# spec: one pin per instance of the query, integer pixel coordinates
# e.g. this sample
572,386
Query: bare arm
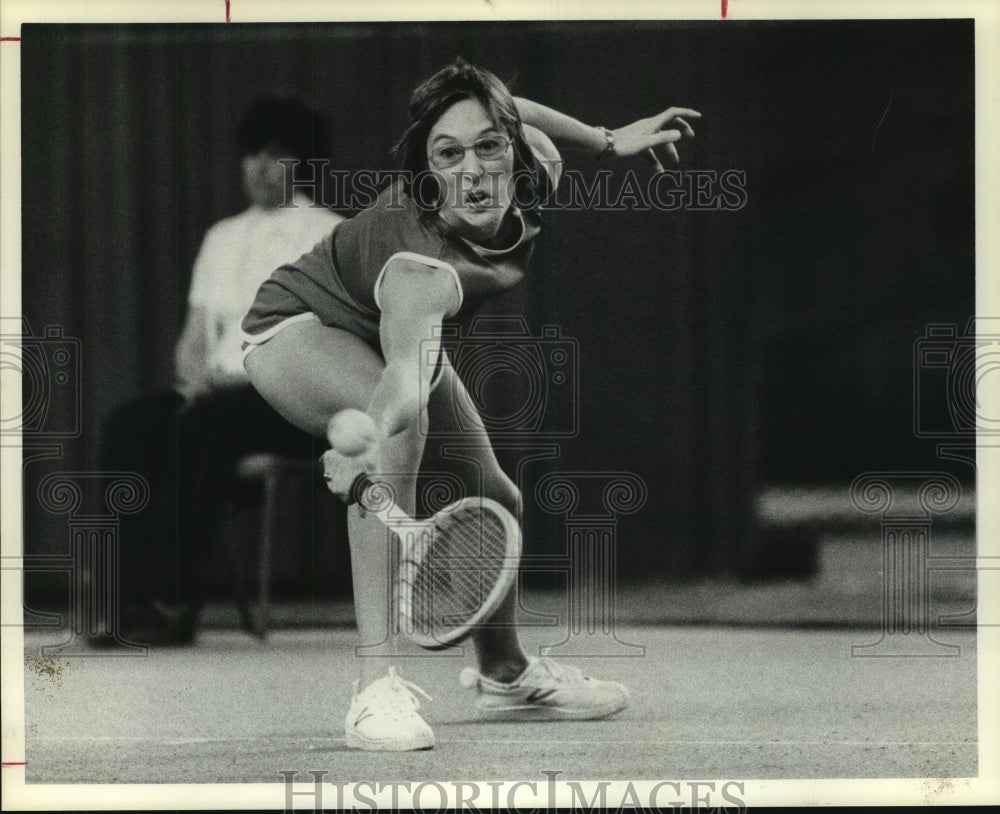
560,127
190,359
414,299
545,150
640,136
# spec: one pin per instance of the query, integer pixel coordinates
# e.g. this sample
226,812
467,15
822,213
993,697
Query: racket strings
459,570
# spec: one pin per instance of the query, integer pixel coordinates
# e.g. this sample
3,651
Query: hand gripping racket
455,568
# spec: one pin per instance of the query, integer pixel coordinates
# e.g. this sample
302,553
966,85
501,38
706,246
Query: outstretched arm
414,299
644,135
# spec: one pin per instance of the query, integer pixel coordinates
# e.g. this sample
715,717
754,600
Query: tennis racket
455,568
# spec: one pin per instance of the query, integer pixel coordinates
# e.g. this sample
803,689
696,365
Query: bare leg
498,647
506,682
372,547
310,372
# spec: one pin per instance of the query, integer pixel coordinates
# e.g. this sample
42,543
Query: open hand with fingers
655,133
339,472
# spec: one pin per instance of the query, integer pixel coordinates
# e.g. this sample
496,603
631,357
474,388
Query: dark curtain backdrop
718,350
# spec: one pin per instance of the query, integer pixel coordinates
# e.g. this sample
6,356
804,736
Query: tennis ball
352,432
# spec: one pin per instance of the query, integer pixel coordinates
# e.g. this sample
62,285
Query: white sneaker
546,691
384,718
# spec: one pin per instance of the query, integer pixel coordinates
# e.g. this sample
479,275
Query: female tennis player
338,341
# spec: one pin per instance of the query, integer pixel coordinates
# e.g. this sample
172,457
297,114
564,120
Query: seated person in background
240,252
187,442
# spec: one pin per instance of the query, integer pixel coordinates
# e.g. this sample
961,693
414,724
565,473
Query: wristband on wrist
609,147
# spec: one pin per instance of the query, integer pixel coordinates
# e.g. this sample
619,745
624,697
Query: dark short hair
429,101
285,124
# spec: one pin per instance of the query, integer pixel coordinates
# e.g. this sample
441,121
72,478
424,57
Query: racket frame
411,532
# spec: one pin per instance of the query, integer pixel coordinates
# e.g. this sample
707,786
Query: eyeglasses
488,148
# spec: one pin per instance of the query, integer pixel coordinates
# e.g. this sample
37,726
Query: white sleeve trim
423,260
255,340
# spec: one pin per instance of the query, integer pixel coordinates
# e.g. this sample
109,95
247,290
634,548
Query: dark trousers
188,456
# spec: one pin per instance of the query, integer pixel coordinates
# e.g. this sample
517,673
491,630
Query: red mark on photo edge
725,8
227,11
10,39
11,765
